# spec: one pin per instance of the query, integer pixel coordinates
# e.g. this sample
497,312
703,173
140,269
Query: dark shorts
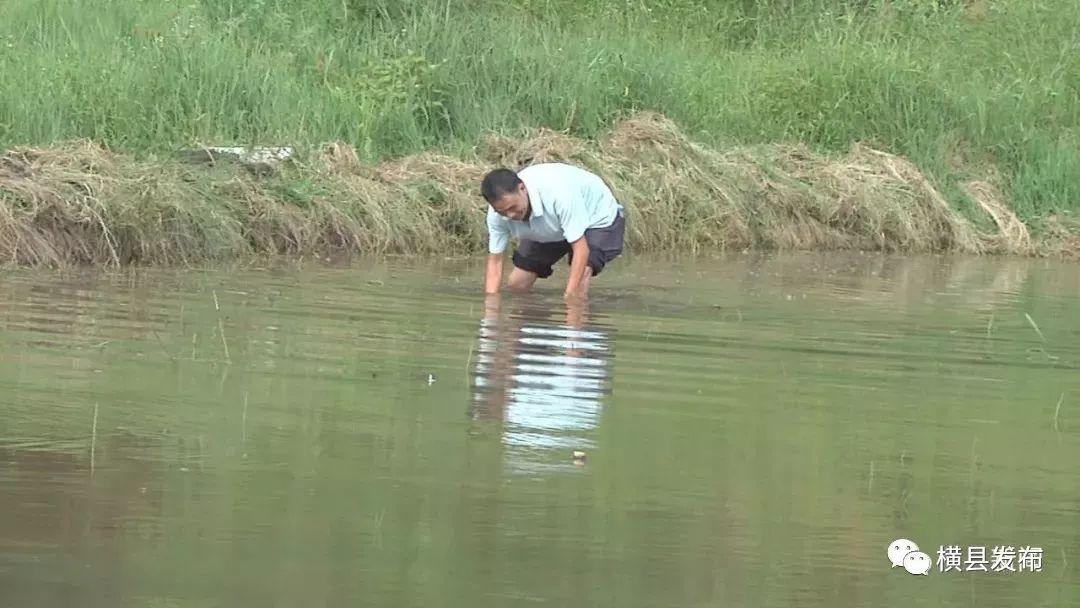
605,244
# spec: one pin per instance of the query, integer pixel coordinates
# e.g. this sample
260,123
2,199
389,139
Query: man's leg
533,261
520,280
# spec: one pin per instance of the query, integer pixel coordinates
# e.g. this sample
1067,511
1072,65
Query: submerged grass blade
93,440
1034,326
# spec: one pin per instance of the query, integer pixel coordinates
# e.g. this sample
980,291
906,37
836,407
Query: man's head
506,194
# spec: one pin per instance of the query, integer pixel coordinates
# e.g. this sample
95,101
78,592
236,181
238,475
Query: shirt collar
534,199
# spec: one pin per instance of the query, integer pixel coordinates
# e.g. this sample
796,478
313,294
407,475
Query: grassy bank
984,93
81,203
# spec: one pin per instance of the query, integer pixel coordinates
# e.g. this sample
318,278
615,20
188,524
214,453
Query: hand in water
491,304
575,314
574,297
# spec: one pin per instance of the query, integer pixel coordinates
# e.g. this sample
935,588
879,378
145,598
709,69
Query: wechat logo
905,554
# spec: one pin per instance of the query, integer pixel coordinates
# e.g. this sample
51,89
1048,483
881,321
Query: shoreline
76,203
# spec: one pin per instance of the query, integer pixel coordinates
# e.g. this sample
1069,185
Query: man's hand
575,314
577,283
491,304
493,276
574,297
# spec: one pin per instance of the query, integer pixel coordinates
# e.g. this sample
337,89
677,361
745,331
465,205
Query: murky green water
756,430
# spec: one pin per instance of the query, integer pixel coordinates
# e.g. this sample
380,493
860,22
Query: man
554,209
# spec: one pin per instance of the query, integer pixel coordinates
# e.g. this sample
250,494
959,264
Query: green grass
963,92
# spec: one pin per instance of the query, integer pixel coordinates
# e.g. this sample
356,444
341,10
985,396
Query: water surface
756,430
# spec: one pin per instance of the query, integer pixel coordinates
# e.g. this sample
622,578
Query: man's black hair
497,183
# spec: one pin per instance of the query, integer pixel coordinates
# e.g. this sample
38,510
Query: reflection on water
542,371
758,430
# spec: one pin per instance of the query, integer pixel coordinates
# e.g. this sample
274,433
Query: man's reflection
542,375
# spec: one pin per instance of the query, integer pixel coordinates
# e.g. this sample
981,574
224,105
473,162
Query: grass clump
79,203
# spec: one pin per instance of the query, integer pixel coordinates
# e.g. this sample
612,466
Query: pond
746,430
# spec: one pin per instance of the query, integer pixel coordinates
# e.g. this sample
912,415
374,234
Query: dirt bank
77,203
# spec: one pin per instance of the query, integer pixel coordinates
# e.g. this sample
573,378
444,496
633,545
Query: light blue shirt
566,201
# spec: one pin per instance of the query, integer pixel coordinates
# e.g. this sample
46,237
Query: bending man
553,209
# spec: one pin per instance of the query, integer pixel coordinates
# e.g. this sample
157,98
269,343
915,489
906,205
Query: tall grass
984,88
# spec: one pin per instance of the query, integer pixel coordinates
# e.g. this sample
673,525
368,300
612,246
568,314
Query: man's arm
493,277
498,240
578,267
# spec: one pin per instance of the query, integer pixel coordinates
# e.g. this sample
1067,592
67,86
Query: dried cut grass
1013,235
688,197
1060,238
79,203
